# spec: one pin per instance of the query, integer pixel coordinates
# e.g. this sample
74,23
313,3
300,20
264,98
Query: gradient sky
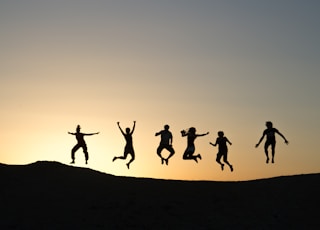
215,65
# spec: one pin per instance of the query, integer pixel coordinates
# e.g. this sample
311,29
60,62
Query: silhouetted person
223,149
128,149
165,143
81,144
191,135
271,140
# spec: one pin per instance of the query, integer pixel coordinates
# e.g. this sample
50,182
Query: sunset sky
214,65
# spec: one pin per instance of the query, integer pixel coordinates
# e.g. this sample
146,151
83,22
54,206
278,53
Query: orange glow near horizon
54,144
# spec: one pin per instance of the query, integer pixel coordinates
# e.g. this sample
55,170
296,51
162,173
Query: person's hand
287,142
257,145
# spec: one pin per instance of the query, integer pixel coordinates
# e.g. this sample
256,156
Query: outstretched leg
120,157
125,154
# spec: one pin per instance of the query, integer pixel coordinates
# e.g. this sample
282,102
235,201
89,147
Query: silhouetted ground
50,195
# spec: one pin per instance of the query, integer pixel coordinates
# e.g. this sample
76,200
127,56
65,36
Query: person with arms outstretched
270,140
191,136
223,149
81,144
128,149
165,143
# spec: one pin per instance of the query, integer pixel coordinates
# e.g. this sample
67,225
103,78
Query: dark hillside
50,195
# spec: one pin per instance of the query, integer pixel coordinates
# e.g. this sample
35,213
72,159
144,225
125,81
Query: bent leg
125,154
132,158
171,150
225,159
159,150
188,153
86,154
218,159
73,151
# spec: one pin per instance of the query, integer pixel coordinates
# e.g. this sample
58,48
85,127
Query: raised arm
134,126
184,133
118,123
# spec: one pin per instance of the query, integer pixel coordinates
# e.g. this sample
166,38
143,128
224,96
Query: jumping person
165,143
128,149
270,140
223,149
81,144
191,135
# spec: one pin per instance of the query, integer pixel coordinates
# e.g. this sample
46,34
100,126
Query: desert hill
51,195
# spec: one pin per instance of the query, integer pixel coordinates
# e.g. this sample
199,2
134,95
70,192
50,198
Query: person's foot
272,161
199,156
72,162
114,159
195,159
267,160
167,161
222,166
128,165
86,162
231,168
162,161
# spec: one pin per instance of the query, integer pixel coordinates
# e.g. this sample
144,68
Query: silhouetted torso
128,138
270,134
191,139
222,142
165,137
80,139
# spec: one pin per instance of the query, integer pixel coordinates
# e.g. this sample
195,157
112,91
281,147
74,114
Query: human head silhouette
269,124
220,133
127,130
166,127
78,128
192,130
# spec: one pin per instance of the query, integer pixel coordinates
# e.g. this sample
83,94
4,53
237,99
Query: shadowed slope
51,195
